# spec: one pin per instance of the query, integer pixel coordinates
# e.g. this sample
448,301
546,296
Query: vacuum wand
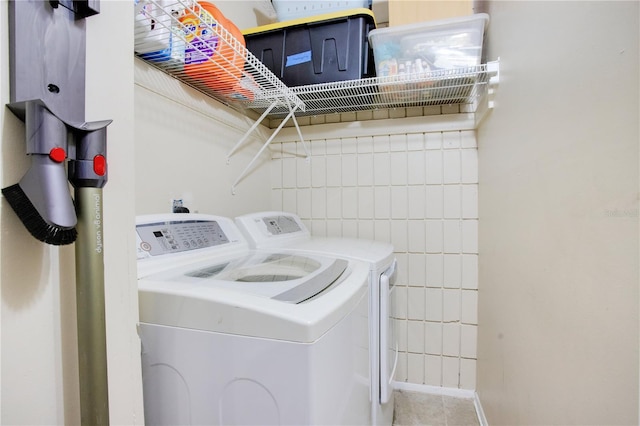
88,174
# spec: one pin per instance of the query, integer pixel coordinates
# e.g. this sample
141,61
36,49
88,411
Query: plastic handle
385,335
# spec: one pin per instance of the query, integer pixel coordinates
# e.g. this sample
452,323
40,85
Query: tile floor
413,408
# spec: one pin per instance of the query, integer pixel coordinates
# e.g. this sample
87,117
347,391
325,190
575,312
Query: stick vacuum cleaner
47,75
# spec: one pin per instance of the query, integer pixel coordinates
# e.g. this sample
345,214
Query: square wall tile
289,173
366,229
382,230
415,141
399,168
451,166
434,201
415,368
349,170
275,151
318,228
289,199
334,228
416,230
416,163
416,202
433,304
401,333
470,201
382,200
434,236
303,172
365,169
433,338
469,307
289,150
470,236
415,337
433,370
451,299
417,264
451,339
276,199
304,203
416,304
364,115
318,172
450,140
402,268
468,139
433,140
452,271
334,171
349,228
470,271
334,146
435,271
401,369
469,159
397,142
348,116
334,203
468,341
452,201
365,145
400,307
318,147
399,202
318,203
399,235
381,143
468,374
365,202
275,170
434,167
349,145
450,372
381,169
452,236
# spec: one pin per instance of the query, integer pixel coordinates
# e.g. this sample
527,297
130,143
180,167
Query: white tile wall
420,192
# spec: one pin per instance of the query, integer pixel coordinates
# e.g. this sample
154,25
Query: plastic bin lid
407,29
325,17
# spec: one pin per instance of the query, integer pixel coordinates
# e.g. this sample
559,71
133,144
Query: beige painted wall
558,202
402,12
182,142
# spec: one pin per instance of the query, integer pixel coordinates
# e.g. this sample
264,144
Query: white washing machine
235,336
285,231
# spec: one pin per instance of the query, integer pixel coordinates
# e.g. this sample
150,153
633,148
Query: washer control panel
160,238
278,225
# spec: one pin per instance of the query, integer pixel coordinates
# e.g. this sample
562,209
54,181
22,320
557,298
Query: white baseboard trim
482,419
435,390
453,392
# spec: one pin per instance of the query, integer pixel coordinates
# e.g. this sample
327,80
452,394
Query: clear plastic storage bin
429,46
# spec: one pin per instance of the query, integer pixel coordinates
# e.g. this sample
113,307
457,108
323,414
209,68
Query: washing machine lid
286,277
276,229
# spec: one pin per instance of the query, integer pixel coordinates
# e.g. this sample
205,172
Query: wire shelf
182,40
452,86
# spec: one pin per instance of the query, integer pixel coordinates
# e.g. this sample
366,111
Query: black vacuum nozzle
37,226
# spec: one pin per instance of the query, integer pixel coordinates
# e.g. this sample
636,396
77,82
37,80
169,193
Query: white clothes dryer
286,231
236,336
